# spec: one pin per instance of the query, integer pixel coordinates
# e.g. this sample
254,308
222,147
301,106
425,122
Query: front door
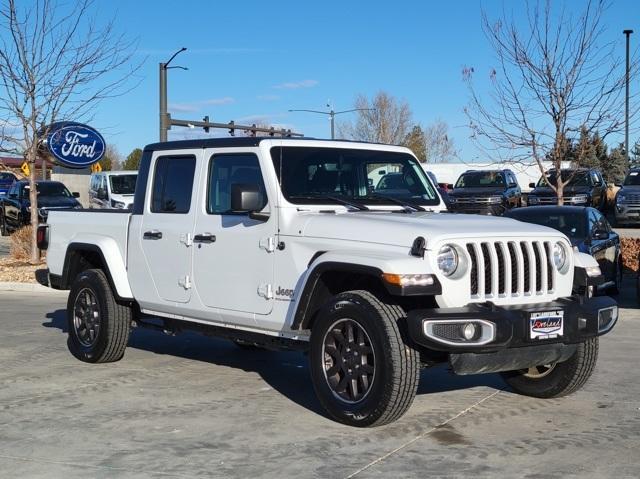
233,255
165,233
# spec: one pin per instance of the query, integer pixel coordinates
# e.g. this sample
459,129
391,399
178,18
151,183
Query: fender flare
370,266
114,267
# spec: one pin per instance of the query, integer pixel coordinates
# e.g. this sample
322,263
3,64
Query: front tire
558,379
363,371
98,325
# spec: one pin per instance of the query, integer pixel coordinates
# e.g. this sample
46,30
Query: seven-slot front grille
510,268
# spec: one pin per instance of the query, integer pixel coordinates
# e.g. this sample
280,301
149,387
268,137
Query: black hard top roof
231,142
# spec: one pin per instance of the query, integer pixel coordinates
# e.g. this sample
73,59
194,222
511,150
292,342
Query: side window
173,184
226,170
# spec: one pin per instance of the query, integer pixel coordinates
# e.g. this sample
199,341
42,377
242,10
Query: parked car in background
112,189
627,209
589,232
586,187
15,206
489,192
6,180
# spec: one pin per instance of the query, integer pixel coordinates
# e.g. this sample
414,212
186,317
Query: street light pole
626,110
165,122
332,116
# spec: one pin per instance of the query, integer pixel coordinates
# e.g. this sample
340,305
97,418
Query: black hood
568,191
56,202
477,191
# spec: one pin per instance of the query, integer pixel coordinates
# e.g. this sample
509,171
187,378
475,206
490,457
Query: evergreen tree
133,160
584,151
600,148
417,142
614,168
635,153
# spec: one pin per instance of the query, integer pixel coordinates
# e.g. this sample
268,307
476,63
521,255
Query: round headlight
559,255
447,260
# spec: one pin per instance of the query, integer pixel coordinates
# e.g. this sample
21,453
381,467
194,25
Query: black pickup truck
15,207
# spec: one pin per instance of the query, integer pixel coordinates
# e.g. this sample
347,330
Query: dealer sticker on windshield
546,324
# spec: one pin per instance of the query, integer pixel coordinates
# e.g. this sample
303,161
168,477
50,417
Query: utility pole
165,120
626,109
332,115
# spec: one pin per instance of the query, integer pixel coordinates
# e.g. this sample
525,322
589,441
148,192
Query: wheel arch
81,256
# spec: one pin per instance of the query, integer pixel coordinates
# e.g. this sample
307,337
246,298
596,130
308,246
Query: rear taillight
42,237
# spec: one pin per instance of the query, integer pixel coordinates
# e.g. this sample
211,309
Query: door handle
204,238
153,234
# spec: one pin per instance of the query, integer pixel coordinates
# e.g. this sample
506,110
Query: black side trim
141,182
303,313
55,280
68,268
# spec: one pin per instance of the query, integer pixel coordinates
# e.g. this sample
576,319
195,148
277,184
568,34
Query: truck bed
96,227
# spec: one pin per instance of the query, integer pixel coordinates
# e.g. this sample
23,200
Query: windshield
123,184
580,178
6,177
571,224
632,179
480,179
358,175
49,189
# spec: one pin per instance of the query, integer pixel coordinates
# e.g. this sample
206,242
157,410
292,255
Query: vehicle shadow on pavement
284,371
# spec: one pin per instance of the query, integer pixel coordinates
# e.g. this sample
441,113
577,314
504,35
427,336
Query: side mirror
246,198
532,185
101,194
13,195
600,234
76,194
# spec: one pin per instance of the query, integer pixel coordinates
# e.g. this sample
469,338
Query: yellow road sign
96,168
25,169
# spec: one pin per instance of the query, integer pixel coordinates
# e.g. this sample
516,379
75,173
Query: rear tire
98,325
559,379
363,370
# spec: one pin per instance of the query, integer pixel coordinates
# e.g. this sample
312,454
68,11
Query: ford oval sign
75,145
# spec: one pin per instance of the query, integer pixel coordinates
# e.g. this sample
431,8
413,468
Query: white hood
401,229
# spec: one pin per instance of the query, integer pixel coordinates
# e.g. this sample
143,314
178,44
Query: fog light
469,331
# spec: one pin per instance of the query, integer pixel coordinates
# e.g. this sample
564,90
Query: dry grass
20,244
12,270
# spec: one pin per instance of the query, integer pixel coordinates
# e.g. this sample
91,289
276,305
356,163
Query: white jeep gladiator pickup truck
335,248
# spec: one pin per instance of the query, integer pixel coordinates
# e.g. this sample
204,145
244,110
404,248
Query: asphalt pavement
192,406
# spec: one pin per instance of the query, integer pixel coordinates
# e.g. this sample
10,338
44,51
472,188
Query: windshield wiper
337,199
408,206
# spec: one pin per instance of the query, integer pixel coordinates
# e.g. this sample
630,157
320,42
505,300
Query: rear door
164,234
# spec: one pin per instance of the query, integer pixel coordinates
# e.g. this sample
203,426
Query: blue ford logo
75,145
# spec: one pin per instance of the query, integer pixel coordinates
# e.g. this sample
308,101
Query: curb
28,288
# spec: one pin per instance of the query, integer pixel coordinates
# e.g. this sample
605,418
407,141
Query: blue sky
252,61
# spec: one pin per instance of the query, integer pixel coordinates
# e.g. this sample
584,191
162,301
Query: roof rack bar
231,126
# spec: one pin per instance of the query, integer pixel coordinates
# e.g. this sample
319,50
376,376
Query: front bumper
509,345
627,213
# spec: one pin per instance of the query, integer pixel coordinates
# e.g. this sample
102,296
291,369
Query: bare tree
554,76
55,64
439,147
384,119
